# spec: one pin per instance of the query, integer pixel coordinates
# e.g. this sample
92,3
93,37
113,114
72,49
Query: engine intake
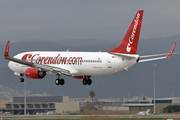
34,73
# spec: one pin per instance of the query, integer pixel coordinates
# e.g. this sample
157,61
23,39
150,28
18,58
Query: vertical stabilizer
129,43
147,111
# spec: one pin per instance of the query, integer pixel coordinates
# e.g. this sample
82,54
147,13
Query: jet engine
34,73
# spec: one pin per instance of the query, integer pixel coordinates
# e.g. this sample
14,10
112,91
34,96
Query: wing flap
56,70
19,61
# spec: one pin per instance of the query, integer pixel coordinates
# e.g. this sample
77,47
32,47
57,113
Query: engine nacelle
34,73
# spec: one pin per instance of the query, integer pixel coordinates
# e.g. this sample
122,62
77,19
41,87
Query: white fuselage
78,63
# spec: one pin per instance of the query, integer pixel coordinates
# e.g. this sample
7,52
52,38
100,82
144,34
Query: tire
61,81
21,80
57,81
89,81
84,82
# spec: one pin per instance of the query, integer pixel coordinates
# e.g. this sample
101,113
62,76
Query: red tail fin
129,43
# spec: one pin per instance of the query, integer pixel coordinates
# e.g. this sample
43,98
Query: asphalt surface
88,116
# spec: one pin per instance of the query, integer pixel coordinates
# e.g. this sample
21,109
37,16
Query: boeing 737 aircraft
83,65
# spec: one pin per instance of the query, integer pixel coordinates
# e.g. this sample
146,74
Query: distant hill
7,93
135,82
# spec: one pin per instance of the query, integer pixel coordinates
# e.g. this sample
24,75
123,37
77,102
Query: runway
90,117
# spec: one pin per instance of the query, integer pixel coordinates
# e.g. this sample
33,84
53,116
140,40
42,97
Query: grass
76,118
95,118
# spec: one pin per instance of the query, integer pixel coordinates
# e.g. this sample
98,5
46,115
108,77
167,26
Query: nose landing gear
22,78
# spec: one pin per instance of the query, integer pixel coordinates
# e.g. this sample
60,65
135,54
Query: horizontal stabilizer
156,55
166,55
152,59
126,56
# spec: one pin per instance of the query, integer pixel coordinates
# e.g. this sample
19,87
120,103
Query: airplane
83,65
144,112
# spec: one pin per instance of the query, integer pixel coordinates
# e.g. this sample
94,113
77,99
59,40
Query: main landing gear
87,81
59,81
22,78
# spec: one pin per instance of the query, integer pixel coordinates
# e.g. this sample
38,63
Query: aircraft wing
156,57
40,67
56,70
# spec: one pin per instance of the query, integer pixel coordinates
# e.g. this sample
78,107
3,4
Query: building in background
63,105
43,104
164,102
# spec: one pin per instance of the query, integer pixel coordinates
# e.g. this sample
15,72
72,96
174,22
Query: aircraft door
109,62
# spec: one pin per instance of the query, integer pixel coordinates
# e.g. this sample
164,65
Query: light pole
154,65
1,111
24,96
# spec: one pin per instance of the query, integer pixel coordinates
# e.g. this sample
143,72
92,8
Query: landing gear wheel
84,82
61,82
89,81
21,80
57,81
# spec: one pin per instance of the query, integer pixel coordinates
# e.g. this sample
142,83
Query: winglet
171,51
6,53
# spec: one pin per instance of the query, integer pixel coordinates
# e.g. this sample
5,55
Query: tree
172,108
86,106
92,95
